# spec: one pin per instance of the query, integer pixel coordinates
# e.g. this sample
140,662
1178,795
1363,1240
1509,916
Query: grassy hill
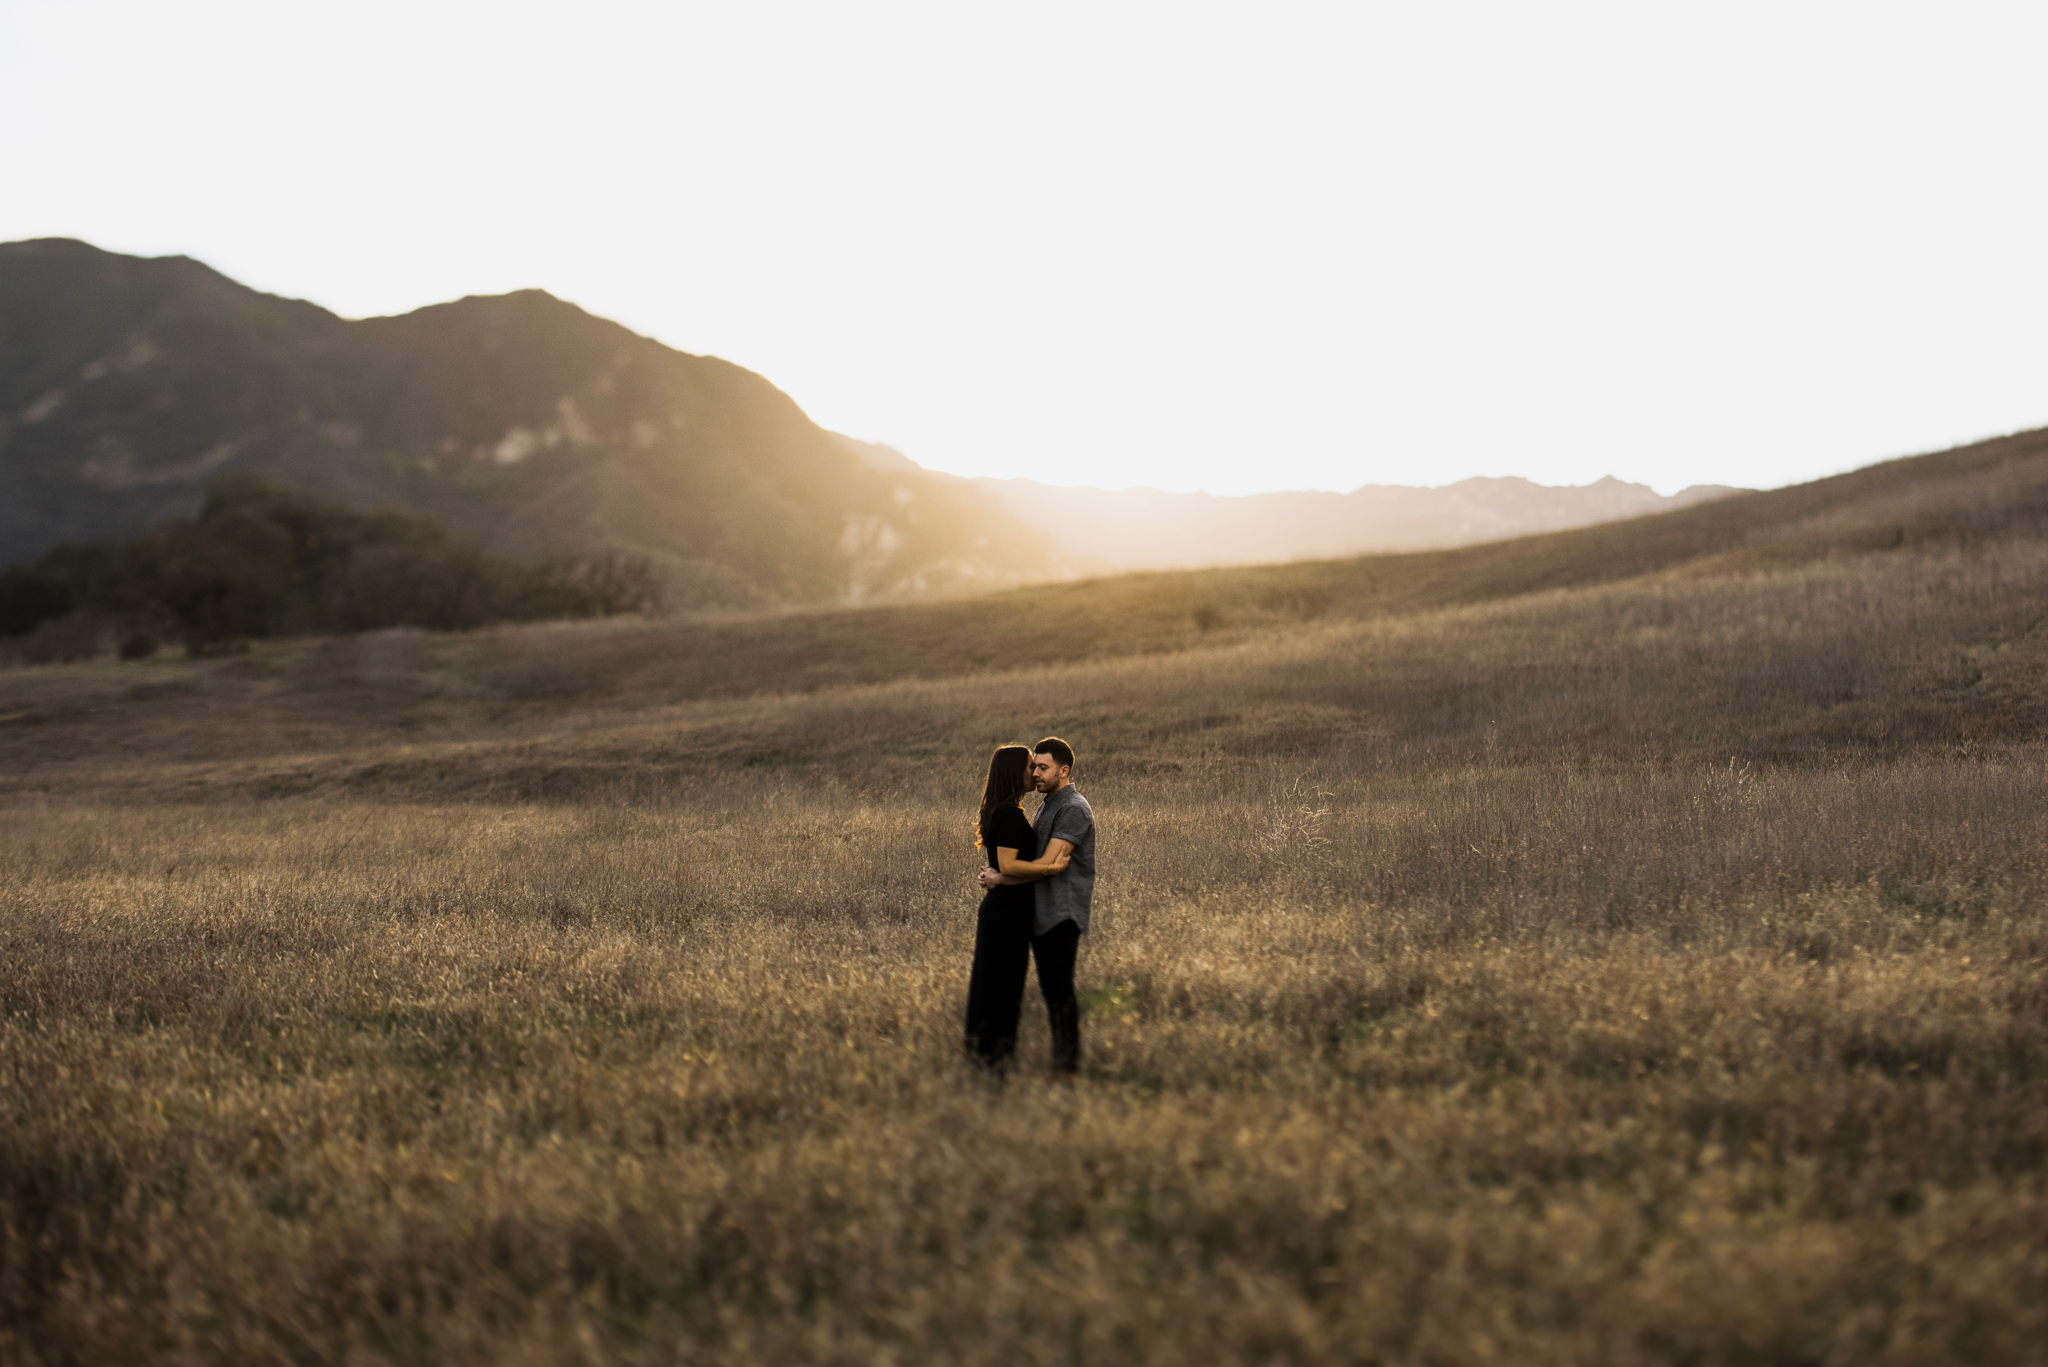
1896,603
1622,946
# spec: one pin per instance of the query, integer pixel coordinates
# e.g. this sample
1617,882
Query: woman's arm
1011,870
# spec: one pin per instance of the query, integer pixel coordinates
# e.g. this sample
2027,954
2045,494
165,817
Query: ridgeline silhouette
518,422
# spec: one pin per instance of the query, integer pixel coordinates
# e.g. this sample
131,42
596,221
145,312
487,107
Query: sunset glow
1191,247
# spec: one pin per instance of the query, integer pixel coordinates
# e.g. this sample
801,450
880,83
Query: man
1065,823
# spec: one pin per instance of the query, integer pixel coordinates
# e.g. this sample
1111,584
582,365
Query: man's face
1046,776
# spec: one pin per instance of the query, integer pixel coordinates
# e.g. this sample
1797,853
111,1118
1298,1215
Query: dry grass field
1625,946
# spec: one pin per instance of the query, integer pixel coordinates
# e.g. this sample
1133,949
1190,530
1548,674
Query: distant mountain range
1132,529
1146,529
535,429
519,421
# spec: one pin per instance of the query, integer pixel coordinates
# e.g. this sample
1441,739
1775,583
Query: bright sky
1237,248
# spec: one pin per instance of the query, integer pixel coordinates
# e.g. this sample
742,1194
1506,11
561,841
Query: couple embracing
1040,878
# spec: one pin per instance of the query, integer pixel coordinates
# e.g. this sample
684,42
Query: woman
1002,930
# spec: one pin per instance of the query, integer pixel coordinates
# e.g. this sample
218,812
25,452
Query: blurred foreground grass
325,1082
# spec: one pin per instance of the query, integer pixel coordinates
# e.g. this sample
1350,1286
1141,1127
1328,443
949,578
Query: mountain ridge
519,421
533,428
1147,529
1116,530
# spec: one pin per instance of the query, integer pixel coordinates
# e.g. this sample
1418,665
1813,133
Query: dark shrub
265,560
138,645
30,596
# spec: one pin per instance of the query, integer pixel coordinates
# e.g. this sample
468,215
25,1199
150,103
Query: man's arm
1073,823
1010,870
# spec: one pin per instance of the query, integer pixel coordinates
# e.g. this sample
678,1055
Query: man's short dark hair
1061,752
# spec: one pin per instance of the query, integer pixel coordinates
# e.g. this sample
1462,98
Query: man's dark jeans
1003,943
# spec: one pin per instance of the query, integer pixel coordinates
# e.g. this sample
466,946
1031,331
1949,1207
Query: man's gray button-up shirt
1066,816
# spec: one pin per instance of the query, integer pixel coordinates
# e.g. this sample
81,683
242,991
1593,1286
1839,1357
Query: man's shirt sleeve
1071,824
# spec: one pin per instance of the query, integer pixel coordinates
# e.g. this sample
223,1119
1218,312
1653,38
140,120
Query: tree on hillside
264,560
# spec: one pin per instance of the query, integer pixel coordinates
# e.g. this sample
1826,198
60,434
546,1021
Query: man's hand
988,877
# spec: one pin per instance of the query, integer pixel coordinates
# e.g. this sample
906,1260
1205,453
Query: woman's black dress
1002,949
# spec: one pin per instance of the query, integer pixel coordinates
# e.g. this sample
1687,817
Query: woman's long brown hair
1009,771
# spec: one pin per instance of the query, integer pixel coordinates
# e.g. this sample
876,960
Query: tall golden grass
1653,970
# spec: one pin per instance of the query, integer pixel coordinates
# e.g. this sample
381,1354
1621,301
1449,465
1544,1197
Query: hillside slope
1628,942
1880,612
519,421
1948,500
